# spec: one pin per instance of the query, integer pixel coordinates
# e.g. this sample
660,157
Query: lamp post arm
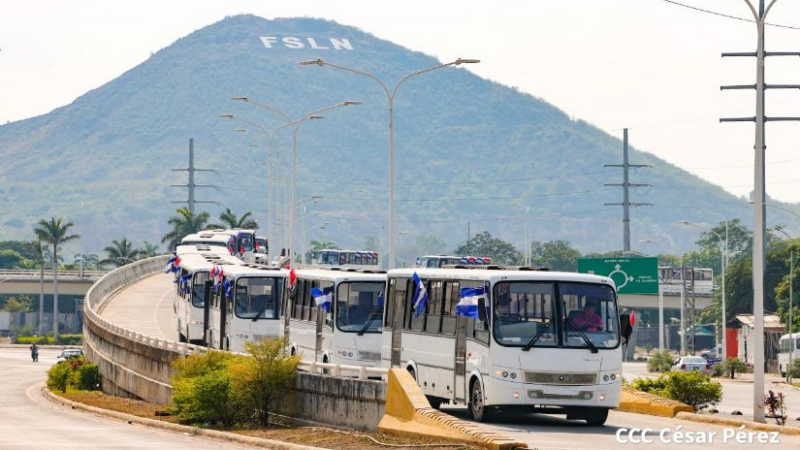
419,72
270,108
362,73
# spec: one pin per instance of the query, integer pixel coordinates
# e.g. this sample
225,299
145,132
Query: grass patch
280,430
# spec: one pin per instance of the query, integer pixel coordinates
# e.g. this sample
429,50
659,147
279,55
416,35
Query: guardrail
337,369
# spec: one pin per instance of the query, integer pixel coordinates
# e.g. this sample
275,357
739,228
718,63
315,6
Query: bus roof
252,270
198,249
340,275
203,261
495,275
790,336
207,236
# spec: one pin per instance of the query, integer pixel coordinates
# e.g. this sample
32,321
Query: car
68,353
690,363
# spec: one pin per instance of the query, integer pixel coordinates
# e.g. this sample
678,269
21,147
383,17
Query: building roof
772,322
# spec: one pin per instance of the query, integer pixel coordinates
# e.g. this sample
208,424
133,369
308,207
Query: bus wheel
181,336
477,409
596,416
413,374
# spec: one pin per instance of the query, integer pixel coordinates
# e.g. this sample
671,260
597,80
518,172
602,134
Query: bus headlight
196,322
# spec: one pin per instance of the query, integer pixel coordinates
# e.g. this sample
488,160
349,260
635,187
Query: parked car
689,363
68,353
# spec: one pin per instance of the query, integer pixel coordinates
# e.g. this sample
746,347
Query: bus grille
561,378
369,356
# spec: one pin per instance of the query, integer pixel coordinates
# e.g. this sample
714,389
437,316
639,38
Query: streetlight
724,258
660,303
390,95
527,240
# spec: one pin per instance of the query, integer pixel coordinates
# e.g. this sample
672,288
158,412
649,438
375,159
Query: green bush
226,389
661,361
58,377
794,370
693,388
718,369
733,365
64,339
87,377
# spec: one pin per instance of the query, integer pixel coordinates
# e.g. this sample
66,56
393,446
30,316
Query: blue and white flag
185,284
173,264
228,286
468,302
380,299
322,298
420,296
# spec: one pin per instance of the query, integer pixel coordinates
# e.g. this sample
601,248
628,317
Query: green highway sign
631,275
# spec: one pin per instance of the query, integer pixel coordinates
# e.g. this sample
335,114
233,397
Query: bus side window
433,319
449,318
313,309
389,304
418,321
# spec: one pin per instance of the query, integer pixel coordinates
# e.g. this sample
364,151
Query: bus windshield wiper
370,319
530,343
589,342
266,306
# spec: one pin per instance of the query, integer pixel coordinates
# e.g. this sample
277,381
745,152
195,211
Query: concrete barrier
408,413
640,402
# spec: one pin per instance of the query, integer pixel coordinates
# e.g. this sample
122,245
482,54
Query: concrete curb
176,428
692,417
408,413
639,402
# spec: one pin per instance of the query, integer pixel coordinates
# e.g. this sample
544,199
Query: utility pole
683,308
191,185
626,185
791,305
759,198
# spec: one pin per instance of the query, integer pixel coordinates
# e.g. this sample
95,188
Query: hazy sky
646,64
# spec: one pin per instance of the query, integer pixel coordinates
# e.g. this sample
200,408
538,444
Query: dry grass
332,439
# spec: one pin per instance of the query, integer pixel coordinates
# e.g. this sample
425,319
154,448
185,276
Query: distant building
773,329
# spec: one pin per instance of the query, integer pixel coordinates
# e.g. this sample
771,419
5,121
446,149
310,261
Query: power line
727,16
504,180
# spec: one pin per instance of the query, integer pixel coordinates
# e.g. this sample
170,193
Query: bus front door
397,326
320,323
209,290
460,372
223,319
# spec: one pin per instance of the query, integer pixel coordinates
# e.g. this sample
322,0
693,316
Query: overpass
70,282
129,316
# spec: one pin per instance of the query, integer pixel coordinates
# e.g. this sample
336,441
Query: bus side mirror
625,327
482,309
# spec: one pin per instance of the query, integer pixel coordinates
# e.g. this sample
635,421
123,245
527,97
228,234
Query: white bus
349,332
345,259
433,261
245,305
212,239
532,346
788,346
190,288
244,246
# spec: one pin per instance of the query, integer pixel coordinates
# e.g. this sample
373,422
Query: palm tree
90,260
54,232
120,252
149,250
38,249
319,245
183,224
229,220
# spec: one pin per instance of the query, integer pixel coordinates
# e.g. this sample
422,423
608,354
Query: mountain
467,149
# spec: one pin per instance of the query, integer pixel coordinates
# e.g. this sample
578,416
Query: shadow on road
523,421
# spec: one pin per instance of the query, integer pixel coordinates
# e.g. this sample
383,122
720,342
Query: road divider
640,402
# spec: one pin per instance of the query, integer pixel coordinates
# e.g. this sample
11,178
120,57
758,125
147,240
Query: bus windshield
526,313
258,297
246,242
359,306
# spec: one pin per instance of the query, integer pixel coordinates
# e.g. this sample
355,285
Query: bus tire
436,402
476,409
413,373
596,416
325,370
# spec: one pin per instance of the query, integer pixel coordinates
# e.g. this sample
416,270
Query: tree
228,220
54,232
120,252
149,250
782,290
483,244
740,238
38,248
183,224
11,259
556,255
89,260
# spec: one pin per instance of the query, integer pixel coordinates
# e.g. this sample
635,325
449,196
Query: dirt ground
283,430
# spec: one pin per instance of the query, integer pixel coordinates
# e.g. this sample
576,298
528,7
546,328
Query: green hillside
467,148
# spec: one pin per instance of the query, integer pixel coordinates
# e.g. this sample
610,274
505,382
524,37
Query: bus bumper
500,392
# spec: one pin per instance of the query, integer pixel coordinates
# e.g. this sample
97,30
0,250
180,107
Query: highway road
31,422
146,307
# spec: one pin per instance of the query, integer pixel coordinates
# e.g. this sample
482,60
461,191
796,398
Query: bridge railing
49,273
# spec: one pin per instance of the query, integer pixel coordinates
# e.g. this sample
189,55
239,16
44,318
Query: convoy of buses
491,338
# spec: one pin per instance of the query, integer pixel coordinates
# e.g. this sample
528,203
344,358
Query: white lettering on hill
295,42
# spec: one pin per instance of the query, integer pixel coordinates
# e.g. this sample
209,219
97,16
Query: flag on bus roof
468,301
420,296
322,298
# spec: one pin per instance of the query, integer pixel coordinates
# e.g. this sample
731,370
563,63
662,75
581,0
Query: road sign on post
631,275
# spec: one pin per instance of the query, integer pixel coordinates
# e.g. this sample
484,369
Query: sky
649,65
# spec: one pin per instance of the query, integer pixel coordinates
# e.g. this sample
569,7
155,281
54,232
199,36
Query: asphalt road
28,421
